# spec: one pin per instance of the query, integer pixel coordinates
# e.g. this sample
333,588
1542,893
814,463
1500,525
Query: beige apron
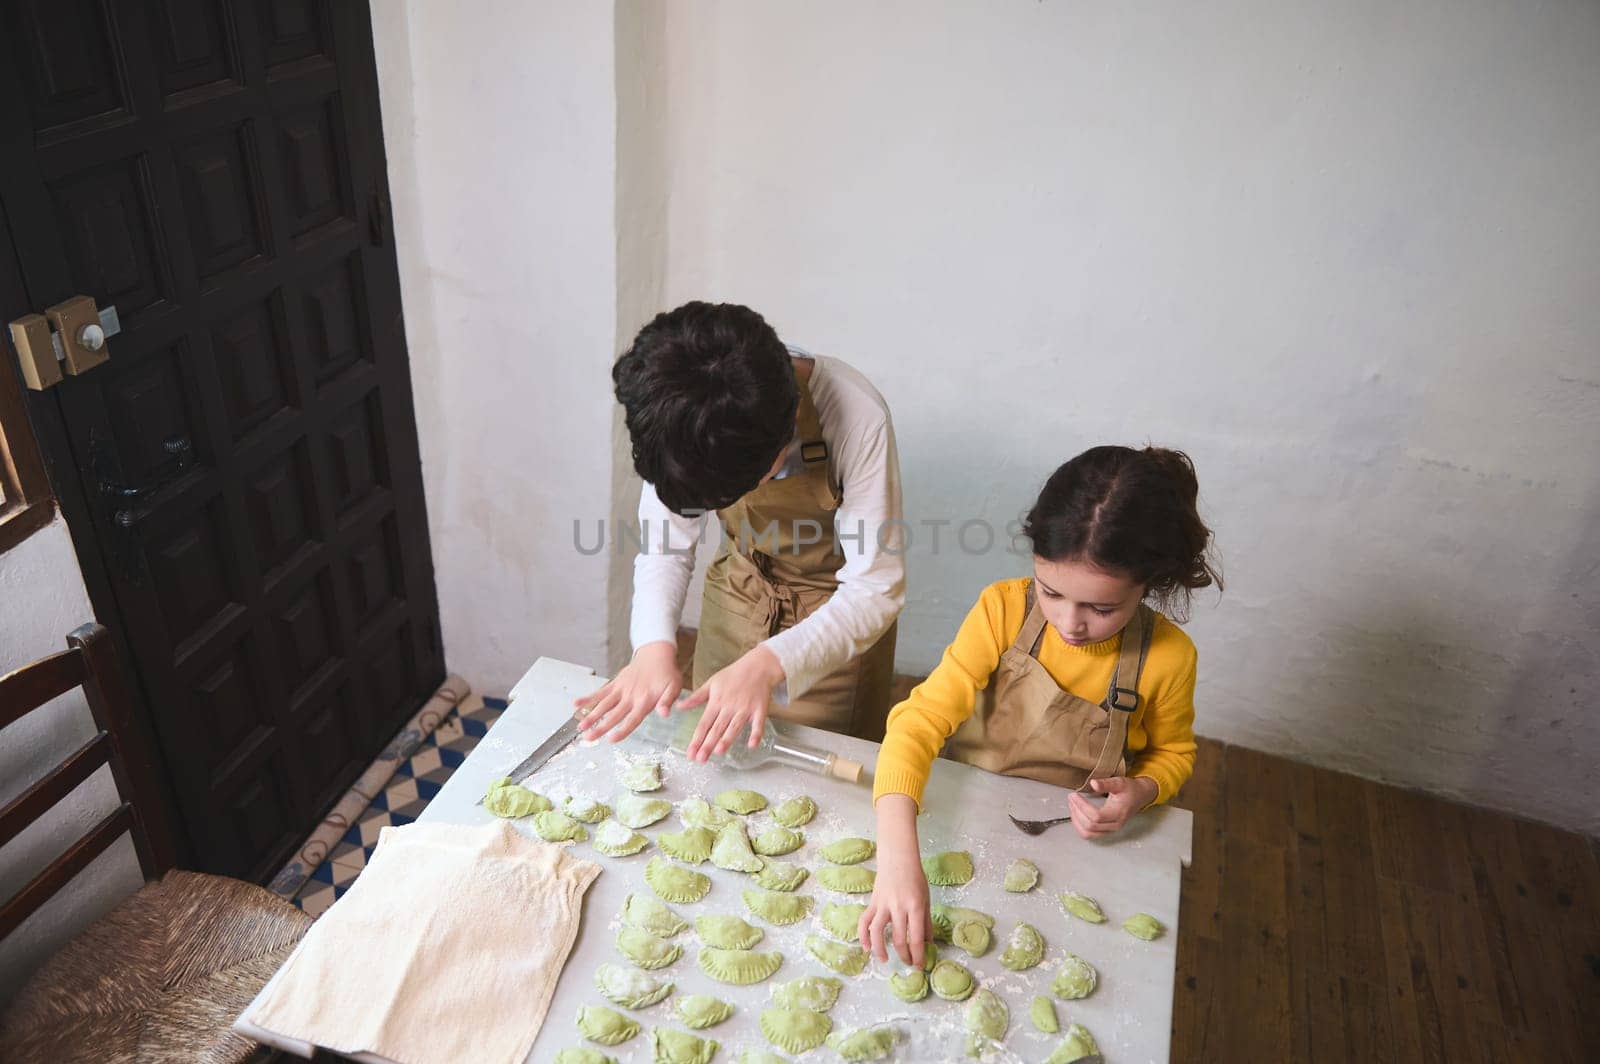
778,563
1024,724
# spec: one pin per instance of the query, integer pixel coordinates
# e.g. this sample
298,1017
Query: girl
1092,689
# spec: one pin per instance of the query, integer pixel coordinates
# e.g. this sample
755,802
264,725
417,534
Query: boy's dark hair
1130,512
710,396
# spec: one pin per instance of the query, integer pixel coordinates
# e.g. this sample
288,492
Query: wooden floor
1328,918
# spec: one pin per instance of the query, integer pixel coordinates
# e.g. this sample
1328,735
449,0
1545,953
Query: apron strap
1031,634
816,457
1123,697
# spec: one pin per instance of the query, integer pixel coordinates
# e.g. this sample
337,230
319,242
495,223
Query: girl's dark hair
709,395
1129,512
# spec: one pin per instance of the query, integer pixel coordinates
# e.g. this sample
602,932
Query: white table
1130,1013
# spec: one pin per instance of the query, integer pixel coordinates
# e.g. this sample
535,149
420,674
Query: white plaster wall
500,126
643,131
1345,255
42,598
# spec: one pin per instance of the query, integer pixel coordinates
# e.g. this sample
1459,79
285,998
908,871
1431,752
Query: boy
796,454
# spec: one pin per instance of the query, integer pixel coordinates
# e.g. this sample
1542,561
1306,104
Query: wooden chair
164,975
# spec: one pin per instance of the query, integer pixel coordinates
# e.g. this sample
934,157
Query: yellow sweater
1160,735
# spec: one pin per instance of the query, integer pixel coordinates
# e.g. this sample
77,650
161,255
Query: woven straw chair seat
161,977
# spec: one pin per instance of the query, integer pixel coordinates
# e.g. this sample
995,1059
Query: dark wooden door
242,478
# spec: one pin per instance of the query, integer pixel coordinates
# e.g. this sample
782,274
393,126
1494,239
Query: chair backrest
90,663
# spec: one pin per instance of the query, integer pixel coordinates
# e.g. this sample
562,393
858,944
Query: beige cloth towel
447,948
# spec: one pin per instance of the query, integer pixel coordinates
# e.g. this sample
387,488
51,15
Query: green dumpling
847,880
741,802
732,850
972,936
587,810
645,949
699,813
815,992
843,920
909,984
1022,876
583,1055
778,909
777,841
760,1056
639,812
702,1010
986,1015
1024,948
629,987
606,1026
945,917
739,967
726,932
674,883
615,840
795,1030
1077,1045
846,960
848,851
1075,978
641,776
951,981
1043,1015
780,875
869,1043
511,800
1143,925
648,914
553,826
1082,906
681,1047
691,844
953,868
795,812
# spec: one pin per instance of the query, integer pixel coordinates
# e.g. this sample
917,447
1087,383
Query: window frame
26,502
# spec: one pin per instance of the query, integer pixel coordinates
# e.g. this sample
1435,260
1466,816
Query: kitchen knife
545,751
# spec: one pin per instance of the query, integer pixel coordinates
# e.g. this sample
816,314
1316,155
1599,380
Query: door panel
248,457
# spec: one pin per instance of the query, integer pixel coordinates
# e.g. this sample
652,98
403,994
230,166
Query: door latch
129,500
70,335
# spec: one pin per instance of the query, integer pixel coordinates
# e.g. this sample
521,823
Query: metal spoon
1037,827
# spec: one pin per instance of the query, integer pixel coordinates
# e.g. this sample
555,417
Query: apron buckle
1114,699
813,451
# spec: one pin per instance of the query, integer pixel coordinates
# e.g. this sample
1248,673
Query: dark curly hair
710,398
1129,512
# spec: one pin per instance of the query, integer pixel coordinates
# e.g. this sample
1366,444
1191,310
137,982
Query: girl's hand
733,697
650,681
1126,796
899,906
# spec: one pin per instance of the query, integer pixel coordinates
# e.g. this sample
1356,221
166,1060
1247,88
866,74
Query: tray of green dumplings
723,925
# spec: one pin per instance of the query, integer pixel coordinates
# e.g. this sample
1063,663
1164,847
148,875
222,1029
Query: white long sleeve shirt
856,425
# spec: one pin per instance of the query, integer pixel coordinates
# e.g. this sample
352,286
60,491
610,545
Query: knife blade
544,752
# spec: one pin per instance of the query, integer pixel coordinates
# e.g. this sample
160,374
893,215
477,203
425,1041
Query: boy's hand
733,697
1126,795
899,907
650,681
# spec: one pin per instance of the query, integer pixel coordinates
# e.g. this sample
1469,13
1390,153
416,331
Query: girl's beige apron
779,562
1024,724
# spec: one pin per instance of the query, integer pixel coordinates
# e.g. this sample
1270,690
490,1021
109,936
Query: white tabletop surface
1129,1014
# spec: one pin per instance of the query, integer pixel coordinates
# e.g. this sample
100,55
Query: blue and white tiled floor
415,783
